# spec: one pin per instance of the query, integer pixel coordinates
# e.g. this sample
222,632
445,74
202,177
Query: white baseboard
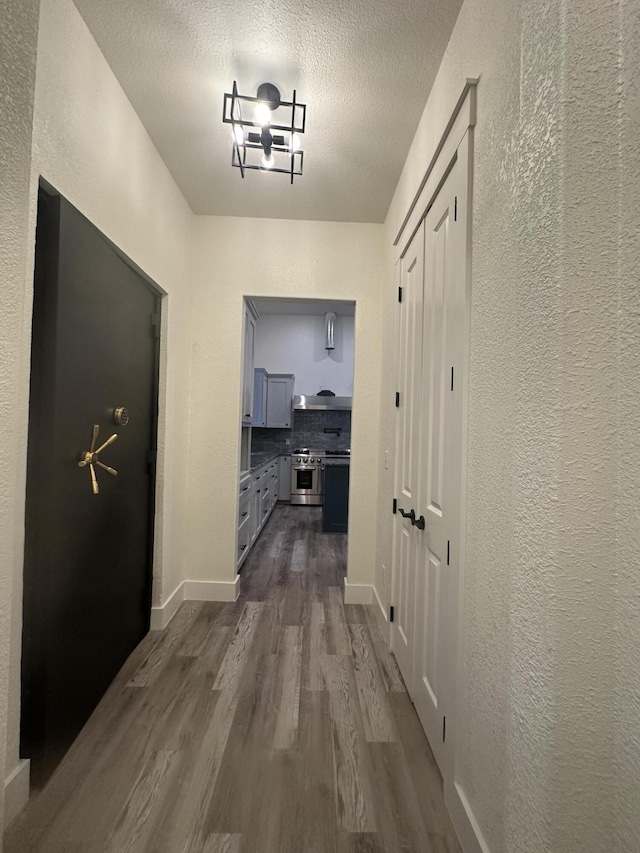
16,791
382,615
193,591
358,593
161,616
464,821
212,590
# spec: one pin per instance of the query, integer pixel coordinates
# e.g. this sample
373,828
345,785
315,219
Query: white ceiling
363,67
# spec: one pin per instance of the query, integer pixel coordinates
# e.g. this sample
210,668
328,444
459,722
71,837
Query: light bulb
263,113
268,162
238,134
295,143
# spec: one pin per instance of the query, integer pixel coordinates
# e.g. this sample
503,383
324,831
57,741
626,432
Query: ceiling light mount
260,147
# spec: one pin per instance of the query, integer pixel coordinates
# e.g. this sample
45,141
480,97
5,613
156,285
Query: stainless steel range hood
302,403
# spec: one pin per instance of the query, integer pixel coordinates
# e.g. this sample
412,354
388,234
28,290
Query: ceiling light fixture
263,147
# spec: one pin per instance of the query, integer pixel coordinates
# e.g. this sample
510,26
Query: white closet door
407,455
438,497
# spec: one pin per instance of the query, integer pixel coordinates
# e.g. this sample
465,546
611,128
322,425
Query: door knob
419,522
90,458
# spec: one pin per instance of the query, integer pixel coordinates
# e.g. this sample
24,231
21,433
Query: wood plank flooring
277,724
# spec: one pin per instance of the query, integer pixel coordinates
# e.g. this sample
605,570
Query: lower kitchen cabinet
258,496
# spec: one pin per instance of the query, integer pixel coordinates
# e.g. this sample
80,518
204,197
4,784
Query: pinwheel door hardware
90,458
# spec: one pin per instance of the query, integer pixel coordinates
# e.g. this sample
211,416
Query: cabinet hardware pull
244,514
243,547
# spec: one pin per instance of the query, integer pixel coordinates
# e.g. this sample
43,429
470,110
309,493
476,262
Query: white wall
18,41
295,344
233,257
90,145
549,686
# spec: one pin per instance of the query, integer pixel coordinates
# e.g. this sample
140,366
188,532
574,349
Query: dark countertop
260,459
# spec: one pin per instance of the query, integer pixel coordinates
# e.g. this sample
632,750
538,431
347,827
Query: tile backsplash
308,431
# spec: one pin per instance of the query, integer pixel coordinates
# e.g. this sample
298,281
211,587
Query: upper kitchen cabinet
280,400
273,399
260,390
250,318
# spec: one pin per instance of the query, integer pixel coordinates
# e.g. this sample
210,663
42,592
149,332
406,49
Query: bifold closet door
438,493
407,455
432,334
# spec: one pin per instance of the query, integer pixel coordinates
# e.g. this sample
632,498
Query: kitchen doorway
296,414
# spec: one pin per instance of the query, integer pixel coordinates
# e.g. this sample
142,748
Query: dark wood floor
278,724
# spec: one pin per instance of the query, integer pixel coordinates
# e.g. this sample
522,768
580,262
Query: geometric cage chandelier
266,130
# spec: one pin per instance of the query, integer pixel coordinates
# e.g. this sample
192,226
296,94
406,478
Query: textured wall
549,750
626,718
233,257
18,42
89,144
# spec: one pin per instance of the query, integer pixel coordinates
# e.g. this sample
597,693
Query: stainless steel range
307,467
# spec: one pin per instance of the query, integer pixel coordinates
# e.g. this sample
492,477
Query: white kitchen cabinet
260,391
247,367
245,520
280,400
258,496
272,399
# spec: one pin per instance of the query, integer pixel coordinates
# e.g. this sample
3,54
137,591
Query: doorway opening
296,413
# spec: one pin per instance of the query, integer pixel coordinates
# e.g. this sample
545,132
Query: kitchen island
335,509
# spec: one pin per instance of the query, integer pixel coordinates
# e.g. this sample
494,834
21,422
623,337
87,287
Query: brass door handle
90,458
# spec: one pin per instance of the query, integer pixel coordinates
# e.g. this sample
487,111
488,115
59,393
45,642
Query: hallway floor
278,724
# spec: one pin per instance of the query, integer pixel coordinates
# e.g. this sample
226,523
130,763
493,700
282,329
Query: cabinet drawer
244,539
265,503
244,510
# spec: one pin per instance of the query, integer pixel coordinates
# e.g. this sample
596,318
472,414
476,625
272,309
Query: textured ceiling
363,67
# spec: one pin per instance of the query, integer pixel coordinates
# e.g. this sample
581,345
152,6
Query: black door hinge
452,377
444,729
399,294
448,550
455,210
397,399
155,325
391,614
395,505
